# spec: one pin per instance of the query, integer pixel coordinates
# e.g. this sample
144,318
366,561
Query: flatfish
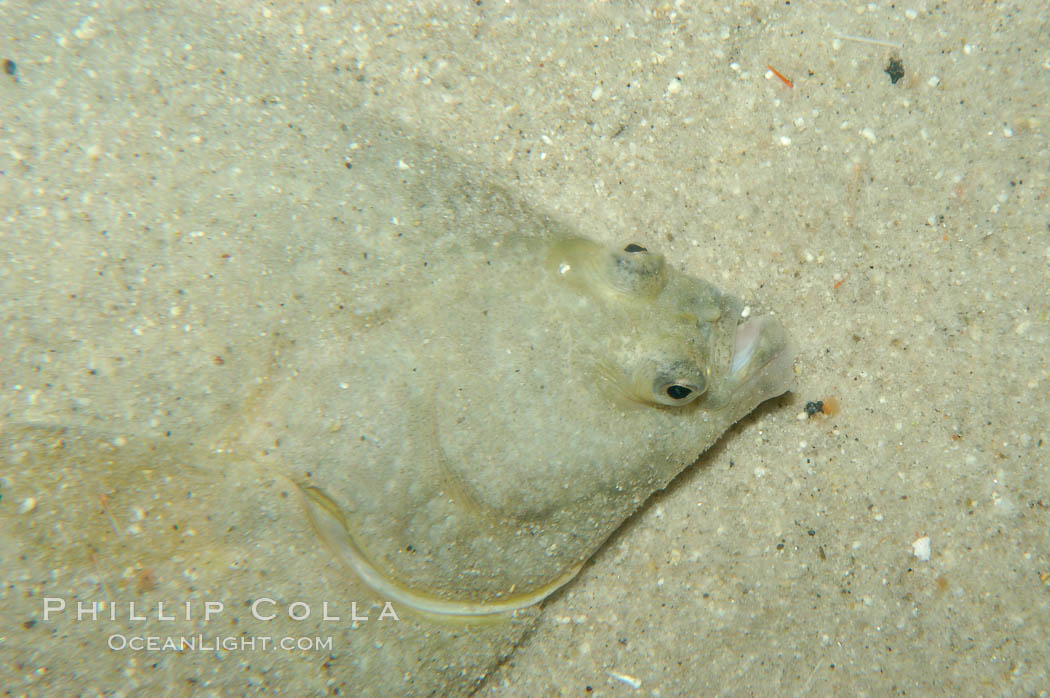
465,442
267,349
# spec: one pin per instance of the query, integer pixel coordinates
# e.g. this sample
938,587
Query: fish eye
630,271
636,271
658,379
676,393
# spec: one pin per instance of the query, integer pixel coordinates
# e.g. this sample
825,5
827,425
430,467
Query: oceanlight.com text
198,643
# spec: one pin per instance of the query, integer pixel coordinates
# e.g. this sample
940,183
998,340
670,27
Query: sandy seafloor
900,231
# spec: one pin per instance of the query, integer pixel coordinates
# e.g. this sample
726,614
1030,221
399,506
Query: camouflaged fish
502,393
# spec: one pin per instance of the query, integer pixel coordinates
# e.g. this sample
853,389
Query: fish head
565,383
674,340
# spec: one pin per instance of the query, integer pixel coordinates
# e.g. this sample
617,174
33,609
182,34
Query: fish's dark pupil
678,392
634,248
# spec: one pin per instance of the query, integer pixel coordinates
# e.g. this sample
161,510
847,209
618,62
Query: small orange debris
829,407
779,75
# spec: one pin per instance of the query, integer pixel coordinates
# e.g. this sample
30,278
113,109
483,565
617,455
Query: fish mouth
763,362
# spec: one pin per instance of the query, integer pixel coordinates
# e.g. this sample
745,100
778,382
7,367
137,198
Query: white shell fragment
921,548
